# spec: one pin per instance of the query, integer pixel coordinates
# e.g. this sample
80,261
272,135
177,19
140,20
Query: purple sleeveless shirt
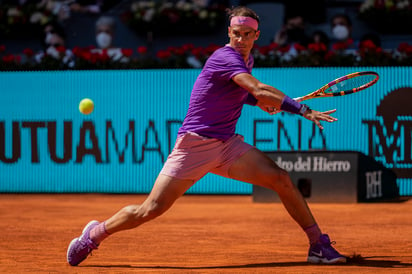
216,101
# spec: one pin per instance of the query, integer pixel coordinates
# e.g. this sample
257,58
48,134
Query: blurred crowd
292,45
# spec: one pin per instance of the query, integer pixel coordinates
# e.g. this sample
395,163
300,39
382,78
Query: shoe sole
317,260
76,239
68,251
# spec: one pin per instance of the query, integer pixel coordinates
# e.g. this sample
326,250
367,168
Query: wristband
290,105
303,109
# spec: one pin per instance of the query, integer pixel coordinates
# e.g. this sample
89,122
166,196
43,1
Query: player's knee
280,180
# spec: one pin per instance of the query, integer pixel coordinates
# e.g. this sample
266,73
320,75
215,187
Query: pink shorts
194,156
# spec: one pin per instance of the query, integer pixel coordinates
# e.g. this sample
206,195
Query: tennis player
207,142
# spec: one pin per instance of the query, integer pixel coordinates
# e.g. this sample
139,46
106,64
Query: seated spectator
320,37
341,27
49,29
319,46
292,36
105,32
292,31
54,46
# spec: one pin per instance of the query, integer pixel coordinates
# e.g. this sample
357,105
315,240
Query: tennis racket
348,84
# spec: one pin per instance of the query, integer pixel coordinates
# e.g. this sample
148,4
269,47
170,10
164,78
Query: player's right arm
264,94
269,96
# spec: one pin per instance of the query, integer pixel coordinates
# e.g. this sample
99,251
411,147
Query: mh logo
373,184
389,136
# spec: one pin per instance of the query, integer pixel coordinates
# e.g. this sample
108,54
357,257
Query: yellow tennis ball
86,106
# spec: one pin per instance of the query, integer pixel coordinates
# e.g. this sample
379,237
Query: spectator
292,36
49,29
54,46
320,37
105,33
318,46
292,31
341,26
342,41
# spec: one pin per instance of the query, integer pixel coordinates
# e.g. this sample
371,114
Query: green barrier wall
46,145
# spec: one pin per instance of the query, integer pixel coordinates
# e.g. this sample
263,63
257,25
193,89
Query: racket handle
298,99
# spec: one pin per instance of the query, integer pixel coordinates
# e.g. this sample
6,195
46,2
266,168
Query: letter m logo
393,144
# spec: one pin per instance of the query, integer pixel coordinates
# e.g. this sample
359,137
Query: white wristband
303,109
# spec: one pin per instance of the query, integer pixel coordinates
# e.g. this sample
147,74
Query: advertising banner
47,145
334,177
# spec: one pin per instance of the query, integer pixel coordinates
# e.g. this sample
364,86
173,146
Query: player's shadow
378,261
356,260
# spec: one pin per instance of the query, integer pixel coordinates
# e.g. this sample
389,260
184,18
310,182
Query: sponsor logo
314,164
389,136
373,184
317,254
75,144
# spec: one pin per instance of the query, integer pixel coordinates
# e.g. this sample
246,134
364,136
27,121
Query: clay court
201,234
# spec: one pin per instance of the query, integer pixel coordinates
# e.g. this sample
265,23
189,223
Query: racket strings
348,84
351,85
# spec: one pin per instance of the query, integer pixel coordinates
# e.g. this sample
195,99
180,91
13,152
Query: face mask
295,34
48,38
103,40
52,51
340,32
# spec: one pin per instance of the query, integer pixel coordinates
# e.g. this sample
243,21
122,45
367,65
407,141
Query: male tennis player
207,142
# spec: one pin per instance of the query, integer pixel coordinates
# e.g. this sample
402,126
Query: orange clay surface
200,234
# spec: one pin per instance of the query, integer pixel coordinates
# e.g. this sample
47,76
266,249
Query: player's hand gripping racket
344,85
